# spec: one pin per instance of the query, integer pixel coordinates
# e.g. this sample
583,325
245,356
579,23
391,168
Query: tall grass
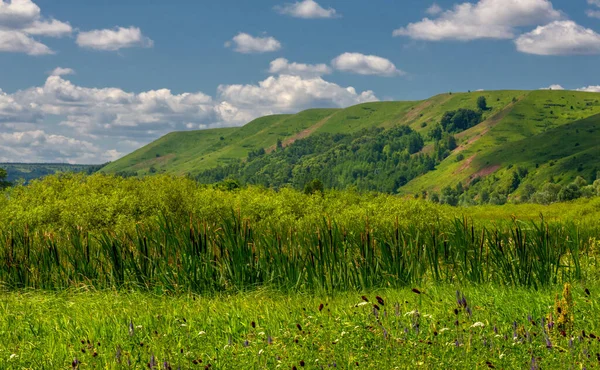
195,255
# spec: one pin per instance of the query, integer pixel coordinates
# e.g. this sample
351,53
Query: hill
517,141
31,171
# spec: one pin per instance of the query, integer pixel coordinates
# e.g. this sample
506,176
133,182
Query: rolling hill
549,135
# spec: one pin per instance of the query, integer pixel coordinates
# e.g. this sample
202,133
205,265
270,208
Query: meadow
162,272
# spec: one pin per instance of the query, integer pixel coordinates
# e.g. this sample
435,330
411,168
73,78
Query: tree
3,175
314,186
482,103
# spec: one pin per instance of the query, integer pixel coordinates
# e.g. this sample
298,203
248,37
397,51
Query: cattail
299,327
253,324
364,298
302,363
415,290
587,291
380,300
321,307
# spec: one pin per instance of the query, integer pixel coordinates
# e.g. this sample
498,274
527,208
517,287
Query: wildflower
469,312
548,343
269,340
131,329
376,311
495,329
152,362
75,363
118,354
246,343
166,366
571,343
533,364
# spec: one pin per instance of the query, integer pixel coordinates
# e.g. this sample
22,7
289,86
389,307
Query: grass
91,277
492,328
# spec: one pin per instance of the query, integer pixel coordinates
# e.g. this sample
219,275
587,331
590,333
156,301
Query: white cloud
59,71
560,38
39,146
18,42
21,19
247,44
284,94
306,9
114,39
282,66
553,87
435,9
365,65
496,19
52,28
591,12
595,89
49,122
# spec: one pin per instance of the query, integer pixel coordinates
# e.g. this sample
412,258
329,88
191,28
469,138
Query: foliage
30,171
460,120
477,327
375,159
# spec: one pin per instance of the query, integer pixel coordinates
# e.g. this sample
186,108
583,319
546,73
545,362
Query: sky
89,81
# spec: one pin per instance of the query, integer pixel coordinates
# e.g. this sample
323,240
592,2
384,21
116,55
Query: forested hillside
466,148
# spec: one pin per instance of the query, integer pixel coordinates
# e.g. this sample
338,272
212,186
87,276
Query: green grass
520,128
267,329
539,128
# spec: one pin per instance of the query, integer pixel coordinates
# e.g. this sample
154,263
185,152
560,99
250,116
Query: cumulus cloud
55,119
114,39
365,65
560,38
592,88
39,146
595,89
435,9
248,44
59,71
306,9
21,19
284,94
282,66
593,13
553,87
496,19
19,42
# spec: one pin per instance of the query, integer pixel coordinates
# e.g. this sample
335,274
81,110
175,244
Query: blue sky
89,81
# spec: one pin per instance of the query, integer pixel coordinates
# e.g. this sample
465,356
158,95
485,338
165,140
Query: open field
492,328
161,272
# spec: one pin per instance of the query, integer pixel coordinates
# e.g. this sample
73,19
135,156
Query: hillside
547,135
30,171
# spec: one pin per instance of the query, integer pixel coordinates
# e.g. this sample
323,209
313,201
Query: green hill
549,136
31,171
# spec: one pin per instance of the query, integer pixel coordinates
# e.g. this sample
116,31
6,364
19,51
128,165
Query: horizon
92,82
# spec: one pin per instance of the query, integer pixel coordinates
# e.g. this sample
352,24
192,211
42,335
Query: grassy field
476,328
161,272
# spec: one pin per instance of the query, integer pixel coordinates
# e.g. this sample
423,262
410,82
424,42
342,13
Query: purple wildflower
131,329
246,343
